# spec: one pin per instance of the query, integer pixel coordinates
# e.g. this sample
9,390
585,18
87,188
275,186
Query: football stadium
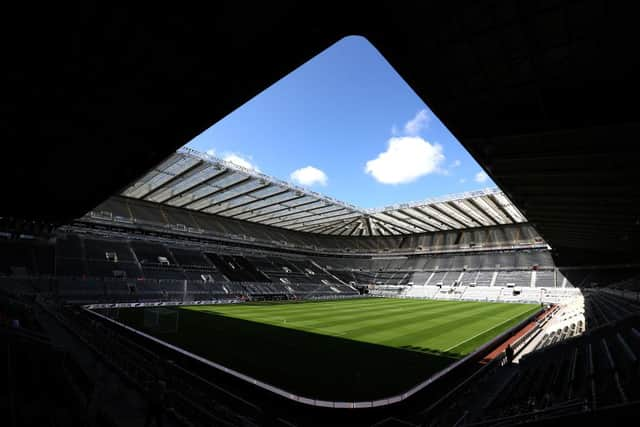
148,282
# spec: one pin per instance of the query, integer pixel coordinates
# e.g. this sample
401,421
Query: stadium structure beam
345,227
269,205
367,221
358,226
307,228
555,158
235,196
307,213
409,212
454,208
593,190
175,178
313,228
184,178
507,205
282,207
198,186
482,210
502,209
394,215
399,228
343,217
471,211
161,172
563,174
216,192
319,220
585,219
599,200
240,205
392,223
323,226
622,218
293,210
334,229
490,201
383,227
312,217
453,223
244,194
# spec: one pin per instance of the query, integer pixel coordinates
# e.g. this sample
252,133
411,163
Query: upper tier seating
177,219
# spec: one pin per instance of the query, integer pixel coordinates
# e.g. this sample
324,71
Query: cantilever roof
192,180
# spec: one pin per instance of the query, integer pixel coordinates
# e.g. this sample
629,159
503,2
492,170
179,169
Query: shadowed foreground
319,349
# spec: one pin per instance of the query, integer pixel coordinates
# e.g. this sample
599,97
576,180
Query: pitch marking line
483,332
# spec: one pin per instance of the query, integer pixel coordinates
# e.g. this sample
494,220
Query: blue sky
346,124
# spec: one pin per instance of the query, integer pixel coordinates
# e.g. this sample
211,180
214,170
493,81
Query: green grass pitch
354,349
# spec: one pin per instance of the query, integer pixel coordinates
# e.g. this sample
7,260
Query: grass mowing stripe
324,305
382,315
487,330
312,314
438,328
407,323
372,324
308,319
303,308
367,320
335,349
334,314
389,313
472,344
273,308
466,328
402,320
397,323
472,327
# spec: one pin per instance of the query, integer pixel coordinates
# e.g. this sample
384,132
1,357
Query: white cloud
415,125
463,180
309,176
481,177
394,130
211,152
455,164
239,160
407,158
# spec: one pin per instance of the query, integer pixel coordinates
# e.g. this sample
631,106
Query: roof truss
198,182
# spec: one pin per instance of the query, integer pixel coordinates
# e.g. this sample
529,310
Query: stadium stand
597,369
94,265
516,82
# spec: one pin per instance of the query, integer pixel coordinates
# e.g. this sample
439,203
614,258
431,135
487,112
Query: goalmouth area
341,350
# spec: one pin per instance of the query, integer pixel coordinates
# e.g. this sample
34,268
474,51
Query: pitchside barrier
161,303
443,375
207,302
545,295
